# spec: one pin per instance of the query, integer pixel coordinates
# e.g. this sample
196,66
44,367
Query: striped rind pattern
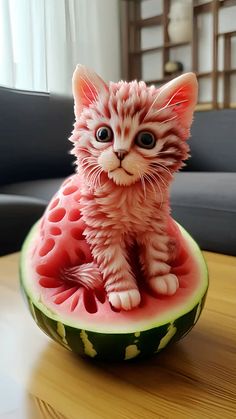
116,346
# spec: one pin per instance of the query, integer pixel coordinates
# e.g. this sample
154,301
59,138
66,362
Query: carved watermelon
84,321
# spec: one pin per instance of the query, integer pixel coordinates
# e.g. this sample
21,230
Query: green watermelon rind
117,345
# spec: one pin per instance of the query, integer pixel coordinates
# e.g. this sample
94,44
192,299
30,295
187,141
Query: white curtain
41,41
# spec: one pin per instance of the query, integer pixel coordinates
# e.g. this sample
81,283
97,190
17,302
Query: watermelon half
85,323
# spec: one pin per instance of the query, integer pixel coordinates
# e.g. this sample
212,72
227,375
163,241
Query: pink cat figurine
129,140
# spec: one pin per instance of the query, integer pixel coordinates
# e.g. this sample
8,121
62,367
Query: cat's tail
87,275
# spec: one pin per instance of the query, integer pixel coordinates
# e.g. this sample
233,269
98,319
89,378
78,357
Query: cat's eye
104,134
145,139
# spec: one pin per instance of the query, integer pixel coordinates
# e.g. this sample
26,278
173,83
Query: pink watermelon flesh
59,242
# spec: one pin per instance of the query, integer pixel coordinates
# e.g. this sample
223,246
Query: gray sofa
34,159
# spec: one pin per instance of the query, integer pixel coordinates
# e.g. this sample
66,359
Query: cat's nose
121,154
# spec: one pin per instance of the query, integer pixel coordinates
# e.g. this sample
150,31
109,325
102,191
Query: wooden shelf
150,21
176,45
227,3
157,81
203,8
160,48
147,50
131,41
231,33
229,71
203,74
163,79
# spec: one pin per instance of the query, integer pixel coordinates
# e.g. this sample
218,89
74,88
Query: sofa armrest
17,215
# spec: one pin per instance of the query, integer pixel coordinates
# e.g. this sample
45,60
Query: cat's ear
181,95
86,86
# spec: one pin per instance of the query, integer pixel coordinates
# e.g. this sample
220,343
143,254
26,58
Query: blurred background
168,37
41,41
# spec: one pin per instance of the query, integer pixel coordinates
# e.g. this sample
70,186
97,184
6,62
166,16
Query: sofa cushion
213,141
34,131
205,204
42,189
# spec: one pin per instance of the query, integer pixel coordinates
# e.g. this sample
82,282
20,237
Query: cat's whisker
88,161
158,164
88,156
153,103
165,168
83,149
161,179
155,180
96,177
89,87
93,173
158,111
92,84
155,172
143,185
97,181
167,106
86,166
155,177
88,151
165,183
168,120
146,176
85,94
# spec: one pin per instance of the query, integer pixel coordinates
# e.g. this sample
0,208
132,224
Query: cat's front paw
165,284
125,300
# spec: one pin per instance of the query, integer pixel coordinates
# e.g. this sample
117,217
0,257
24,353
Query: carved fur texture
129,140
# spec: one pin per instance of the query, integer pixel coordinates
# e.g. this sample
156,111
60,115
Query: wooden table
196,378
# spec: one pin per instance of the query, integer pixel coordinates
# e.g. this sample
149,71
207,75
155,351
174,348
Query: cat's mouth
121,167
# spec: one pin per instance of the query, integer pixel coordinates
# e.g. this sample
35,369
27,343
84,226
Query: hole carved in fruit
47,247
180,270
55,231
77,197
90,304
116,310
50,282
45,269
81,256
181,259
74,215
75,301
59,290
100,295
65,295
77,233
57,215
70,190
